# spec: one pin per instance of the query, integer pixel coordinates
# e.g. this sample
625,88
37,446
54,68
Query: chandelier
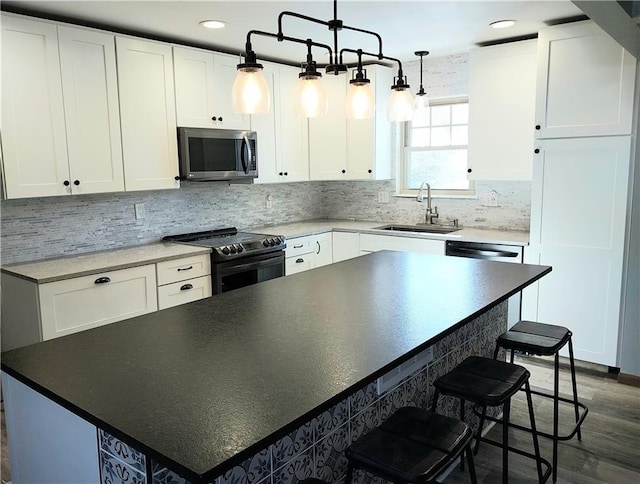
250,93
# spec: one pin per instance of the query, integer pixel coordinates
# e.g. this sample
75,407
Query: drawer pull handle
299,261
186,287
298,246
102,280
185,268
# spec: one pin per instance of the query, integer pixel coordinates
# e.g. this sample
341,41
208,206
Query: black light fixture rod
379,56
280,38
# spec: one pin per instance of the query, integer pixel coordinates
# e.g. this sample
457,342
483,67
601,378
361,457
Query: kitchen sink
427,229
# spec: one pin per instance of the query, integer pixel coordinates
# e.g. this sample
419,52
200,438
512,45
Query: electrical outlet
139,210
492,200
383,196
268,201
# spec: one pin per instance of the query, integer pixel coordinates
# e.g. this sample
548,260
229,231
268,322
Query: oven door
227,276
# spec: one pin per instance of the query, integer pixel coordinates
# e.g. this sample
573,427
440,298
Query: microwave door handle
245,143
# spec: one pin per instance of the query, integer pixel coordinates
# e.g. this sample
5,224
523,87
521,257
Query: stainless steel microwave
217,154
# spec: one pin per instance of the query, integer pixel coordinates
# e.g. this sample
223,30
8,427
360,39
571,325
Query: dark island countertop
201,387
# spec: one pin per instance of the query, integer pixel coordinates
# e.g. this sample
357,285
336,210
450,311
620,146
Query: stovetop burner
228,243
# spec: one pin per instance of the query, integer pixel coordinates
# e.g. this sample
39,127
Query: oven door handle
257,264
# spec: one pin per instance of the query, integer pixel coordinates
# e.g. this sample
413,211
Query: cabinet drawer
183,292
299,245
298,263
86,302
184,268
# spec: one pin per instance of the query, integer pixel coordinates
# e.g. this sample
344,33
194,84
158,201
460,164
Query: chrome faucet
431,213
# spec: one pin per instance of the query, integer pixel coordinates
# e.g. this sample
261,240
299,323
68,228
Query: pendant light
311,96
421,103
360,101
250,93
400,104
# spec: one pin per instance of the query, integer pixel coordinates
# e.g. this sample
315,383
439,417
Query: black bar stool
491,383
546,340
412,445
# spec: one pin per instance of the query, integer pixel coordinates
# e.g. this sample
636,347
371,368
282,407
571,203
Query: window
435,150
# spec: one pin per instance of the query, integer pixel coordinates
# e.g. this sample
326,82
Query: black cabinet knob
469,170
369,171
220,118
66,183
280,173
76,182
186,287
286,173
344,171
102,280
176,178
537,126
536,151
214,118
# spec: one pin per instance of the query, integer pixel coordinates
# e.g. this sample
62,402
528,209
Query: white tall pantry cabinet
580,185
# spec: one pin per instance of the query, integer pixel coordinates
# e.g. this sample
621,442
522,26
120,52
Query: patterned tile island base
316,449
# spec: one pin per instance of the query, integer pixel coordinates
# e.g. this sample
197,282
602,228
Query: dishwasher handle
482,252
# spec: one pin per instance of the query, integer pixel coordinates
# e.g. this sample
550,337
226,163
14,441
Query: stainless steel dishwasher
495,252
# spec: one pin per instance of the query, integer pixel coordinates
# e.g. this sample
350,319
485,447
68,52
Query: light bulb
250,93
311,97
400,105
360,101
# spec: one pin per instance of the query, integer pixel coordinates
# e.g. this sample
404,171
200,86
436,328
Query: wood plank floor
609,451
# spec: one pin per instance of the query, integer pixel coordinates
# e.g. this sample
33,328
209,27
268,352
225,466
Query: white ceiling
441,27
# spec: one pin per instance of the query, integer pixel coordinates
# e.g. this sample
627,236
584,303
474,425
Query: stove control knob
225,250
240,248
272,242
233,249
265,242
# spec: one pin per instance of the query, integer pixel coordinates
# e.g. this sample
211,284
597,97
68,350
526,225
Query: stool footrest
543,461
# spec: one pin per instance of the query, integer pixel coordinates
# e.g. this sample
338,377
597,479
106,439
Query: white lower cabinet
374,243
308,252
87,302
346,245
183,280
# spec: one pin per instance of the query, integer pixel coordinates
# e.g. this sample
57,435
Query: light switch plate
383,196
139,210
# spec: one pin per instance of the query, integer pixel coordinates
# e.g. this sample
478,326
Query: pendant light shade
360,101
250,93
311,97
400,106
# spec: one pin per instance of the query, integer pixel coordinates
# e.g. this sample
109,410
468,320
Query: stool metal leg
462,419
434,404
506,410
349,476
556,390
575,388
480,426
534,432
471,465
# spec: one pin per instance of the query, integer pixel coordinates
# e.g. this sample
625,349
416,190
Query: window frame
403,138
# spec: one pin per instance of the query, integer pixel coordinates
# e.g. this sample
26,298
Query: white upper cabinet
60,120
283,154
147,110
203,82
89,82
502,93
328,134
354,149
585,83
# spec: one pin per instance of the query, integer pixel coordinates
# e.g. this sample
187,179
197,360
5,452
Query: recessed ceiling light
213,24
503,24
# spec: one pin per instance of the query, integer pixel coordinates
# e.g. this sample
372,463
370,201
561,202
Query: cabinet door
374,243
183,292
501,113
148,118
578,214
294,130
224,72
87,302
369,150
267,129
33,124
585,83
346,245
299,263
323,247
194,83
328,135
88,65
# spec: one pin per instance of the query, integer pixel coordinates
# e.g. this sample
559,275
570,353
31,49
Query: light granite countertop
51,270
312,227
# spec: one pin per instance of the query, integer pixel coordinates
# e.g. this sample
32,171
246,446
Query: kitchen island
267,382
